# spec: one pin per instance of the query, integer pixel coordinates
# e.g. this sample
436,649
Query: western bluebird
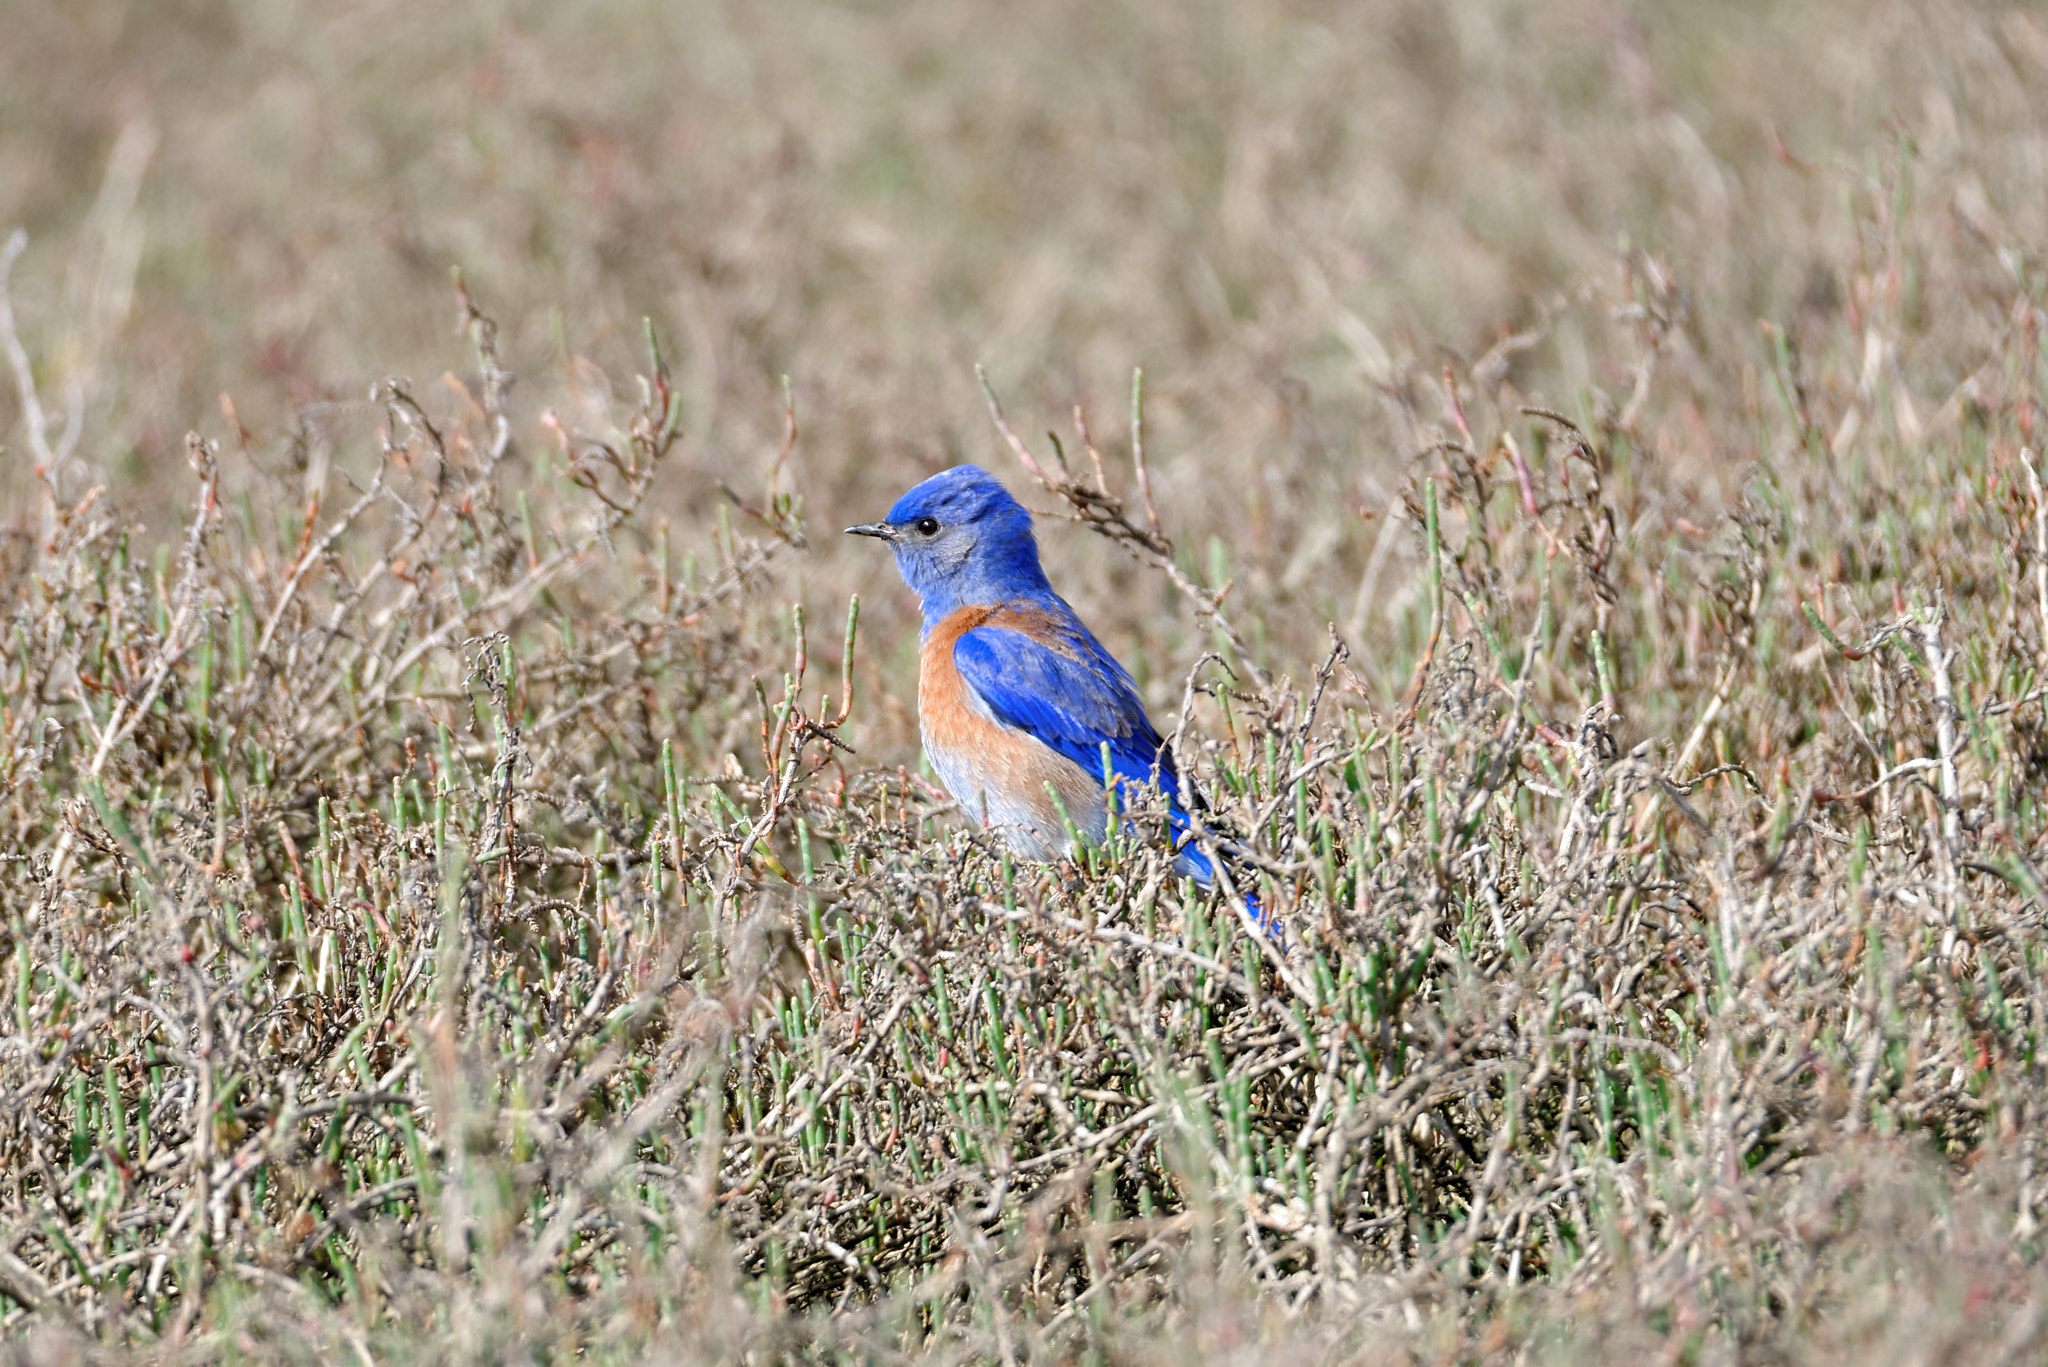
1015,697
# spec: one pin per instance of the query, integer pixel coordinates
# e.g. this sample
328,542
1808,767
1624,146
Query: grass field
470,891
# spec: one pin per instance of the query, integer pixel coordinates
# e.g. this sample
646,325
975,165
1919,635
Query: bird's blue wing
1048,676
1055,682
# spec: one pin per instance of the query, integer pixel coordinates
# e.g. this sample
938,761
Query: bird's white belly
1017,786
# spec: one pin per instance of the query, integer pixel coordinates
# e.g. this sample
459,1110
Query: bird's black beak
881,530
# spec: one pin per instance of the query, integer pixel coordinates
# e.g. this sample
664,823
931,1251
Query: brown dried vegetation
446,919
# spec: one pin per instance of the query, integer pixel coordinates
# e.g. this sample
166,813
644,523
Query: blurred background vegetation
1277,209
1774,269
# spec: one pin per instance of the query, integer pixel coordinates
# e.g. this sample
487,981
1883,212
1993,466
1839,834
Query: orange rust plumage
1004,777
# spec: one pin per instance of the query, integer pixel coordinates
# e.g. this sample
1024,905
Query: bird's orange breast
1004,776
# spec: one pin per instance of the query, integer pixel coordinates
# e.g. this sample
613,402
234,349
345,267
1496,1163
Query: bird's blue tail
1191,861
1158,776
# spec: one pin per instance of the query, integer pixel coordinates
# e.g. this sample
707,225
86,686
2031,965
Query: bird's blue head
962,541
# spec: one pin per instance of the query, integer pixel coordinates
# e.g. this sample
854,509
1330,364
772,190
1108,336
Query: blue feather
1076,699
1074,703
961,541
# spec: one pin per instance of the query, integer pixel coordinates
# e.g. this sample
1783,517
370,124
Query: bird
1016,698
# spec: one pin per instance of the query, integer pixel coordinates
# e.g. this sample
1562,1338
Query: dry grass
444,917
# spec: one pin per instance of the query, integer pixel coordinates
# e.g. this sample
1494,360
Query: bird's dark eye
926,526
